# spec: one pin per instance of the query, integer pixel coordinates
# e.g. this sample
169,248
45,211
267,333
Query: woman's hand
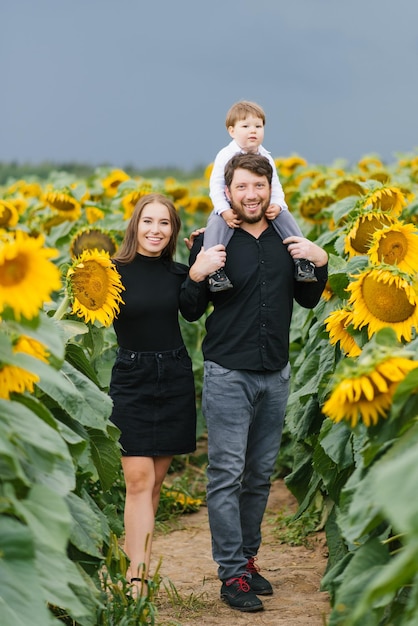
189,240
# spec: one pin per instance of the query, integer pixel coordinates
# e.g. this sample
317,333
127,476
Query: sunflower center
91,240
63,205
91,285
361,241
13,272
5,215
392,248
386,301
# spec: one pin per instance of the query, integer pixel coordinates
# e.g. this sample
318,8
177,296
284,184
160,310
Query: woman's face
154,229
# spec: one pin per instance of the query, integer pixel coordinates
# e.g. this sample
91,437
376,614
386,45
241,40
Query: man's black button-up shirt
249,325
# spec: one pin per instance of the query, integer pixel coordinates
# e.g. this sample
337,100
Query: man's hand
207,261
301,248
231,218
190,240
273,211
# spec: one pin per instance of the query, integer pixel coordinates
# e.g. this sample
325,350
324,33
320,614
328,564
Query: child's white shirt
217,178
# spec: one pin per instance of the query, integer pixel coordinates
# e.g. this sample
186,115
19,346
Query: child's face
248,133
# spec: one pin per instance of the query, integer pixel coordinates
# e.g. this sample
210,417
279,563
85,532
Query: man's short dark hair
255,163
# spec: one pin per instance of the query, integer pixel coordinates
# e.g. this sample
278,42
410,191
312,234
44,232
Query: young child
245,124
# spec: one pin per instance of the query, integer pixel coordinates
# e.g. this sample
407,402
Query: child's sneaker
305,271
219,281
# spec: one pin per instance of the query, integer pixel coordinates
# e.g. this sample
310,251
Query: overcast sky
148,82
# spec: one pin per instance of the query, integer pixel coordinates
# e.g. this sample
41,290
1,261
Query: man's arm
308,294
195,295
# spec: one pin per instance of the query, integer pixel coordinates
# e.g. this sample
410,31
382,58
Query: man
246,370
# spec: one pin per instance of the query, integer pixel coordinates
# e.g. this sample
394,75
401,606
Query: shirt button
263,304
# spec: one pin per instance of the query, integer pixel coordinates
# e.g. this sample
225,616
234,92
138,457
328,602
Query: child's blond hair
242,109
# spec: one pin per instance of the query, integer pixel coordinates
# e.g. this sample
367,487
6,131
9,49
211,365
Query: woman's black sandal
139,580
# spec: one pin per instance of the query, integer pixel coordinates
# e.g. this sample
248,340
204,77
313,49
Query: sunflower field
352,419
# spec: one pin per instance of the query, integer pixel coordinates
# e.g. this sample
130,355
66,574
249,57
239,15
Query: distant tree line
15,171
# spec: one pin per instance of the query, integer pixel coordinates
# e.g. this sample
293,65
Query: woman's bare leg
143,478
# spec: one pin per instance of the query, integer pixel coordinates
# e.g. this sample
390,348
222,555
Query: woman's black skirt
154,403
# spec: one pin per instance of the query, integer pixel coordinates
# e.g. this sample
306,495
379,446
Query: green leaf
77,395
21,597
385,582
75,355
105,453
394,482
47,516
10,466
335,439
359,511
366,564
46,332
64,585
40,448
86,532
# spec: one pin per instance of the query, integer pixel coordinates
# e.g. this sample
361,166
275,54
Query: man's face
249,195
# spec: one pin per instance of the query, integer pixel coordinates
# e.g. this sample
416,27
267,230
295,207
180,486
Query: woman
152,384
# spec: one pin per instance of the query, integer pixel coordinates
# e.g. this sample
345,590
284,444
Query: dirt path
295,573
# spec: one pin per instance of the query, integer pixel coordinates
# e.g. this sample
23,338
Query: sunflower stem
61,310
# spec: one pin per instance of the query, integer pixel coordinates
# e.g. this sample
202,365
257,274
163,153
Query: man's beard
250,219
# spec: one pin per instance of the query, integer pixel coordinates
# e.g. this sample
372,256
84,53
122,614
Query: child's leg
285,225
216,231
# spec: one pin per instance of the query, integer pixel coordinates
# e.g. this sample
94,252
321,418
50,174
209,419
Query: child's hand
231,218
273,211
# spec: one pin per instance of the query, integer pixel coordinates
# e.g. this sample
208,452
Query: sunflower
359,238
67,206
197,204
94,214
336,325
365,389
31,346
328,293
345,187
389,199
95,287
27,276
20,203
312,203
370,162
382,298
287,166
130,199
9,215
208,171
27,189
382,176
396,245
113,180
92,239
175,190
14,379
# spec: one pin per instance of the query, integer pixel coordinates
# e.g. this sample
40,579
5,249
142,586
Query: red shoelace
252,568
241,582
